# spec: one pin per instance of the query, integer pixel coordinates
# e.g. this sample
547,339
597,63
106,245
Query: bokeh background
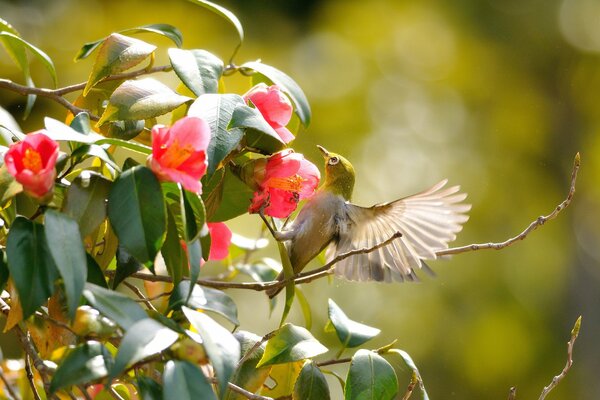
497,96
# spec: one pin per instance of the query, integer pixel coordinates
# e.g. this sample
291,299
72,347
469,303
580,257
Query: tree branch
532,226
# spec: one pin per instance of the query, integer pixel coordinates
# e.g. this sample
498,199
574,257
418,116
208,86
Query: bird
425,223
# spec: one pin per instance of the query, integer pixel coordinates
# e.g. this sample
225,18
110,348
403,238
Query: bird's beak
324,151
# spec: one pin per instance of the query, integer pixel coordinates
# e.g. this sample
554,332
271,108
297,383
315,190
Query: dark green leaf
350,333
13,42
311,384
66,247
411,364
199,70
229,199
166,30
225,13
206,298
117,54
143,339
195,215
136,210
217,109
149,388
91,150
30,264
194,255
247,375
4,273
259,134
222,348
172,251
185,381
81,123
124,130
370,377
137,147
95,274
85,363
85,201
291,343
9,187
114,305
141,99
126,266
288,85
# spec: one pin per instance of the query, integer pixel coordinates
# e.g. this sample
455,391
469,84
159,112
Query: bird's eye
333,161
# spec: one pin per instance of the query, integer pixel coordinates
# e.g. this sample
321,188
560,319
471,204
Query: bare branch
139,294
556,380
30,378
256,346
532,226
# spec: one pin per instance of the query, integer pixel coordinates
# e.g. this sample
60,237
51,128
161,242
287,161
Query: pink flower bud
31,161
274,106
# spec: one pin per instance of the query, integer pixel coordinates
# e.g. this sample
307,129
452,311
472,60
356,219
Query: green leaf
172,251
137,147
350,333
291,343
30,264
91,150
225,13
229,199
284,377
124,130
311,384
4,273
95,274
66,247
116,306
370,377
85,201
86,362
259,134
17,45
194,255
81,123
136,211
199,70
411,364
222,348
305,307
59,131
166,30
126,266
288,85
207,299
217,110
247,375
117,54
9,187
141,99
149,388
195,215
144,338
185,381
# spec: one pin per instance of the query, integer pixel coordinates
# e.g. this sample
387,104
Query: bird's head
339,174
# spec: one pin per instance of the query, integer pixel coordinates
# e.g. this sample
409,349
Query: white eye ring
333,160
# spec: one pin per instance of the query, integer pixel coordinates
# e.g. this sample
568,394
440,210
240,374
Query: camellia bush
108,202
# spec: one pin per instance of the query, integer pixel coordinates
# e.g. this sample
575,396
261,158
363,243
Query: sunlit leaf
116,306
229,199
30,264
204,298
60,131
86,362
141,99
411,364
222,348
311,384
284,378
288,85
217,110
370,377
291,343
143,339
13,41
225,13
305,307
247,375
124,130
85,201
199,70
258,133
245,243
66,247
185,381
117,54
350,333
136,210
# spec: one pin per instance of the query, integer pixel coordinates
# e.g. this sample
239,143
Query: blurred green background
497,96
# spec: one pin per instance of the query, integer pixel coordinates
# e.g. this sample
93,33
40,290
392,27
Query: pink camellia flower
283,180
179,152
31,161
274,106
220,239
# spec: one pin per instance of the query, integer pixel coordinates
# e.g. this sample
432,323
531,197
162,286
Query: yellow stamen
32,160
291,183
176,154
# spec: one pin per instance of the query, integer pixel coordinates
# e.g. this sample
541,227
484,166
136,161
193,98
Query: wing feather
428,221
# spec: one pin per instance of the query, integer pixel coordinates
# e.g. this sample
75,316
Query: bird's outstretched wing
428,221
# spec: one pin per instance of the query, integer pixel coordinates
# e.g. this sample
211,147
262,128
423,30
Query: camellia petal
220,239
274,106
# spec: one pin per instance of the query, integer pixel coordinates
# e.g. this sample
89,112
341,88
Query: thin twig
54,321
8,386
256,346
139,293
532,226
245,393
556,380
334,361
411,387
30,378
114,393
